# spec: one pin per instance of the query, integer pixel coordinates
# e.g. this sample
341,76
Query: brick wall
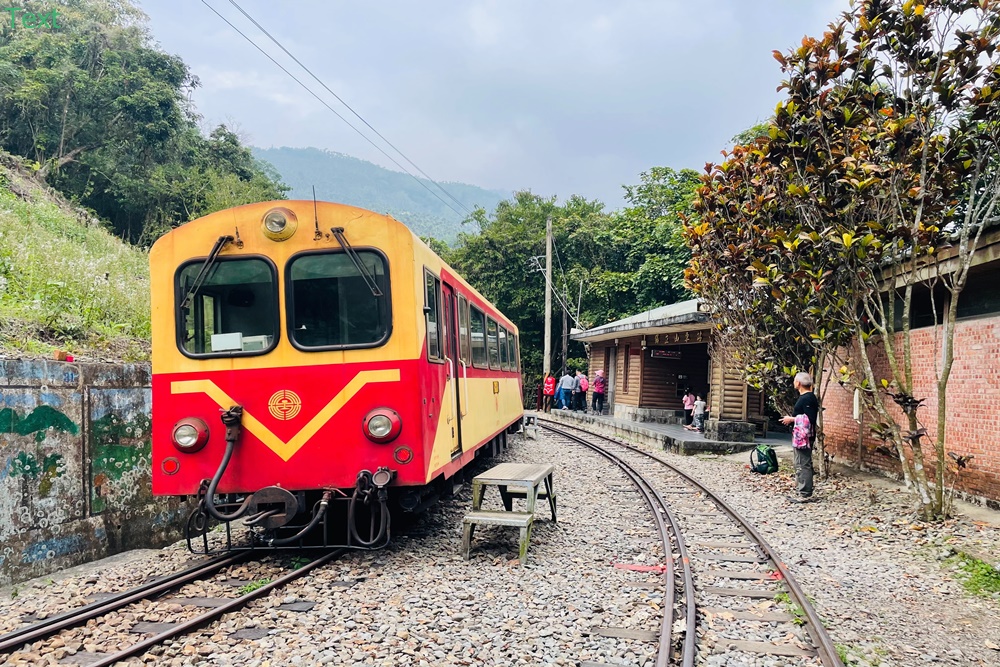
973,401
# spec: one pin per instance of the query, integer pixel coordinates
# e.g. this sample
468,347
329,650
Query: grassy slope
65,282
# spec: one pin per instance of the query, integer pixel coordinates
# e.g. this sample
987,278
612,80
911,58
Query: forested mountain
348,180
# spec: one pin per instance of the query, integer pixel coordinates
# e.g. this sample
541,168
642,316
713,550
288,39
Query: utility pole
579,302
547,363
565,346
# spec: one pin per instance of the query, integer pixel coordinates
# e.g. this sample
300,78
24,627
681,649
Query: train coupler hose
369,488
232,419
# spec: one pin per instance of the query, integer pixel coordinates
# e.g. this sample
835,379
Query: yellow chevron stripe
286,449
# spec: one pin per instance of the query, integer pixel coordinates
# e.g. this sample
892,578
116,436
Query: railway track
720,564
35,635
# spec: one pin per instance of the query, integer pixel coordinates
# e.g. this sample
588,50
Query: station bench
514,480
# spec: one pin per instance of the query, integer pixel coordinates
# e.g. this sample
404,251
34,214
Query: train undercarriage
275,518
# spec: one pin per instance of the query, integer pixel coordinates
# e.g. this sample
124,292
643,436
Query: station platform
671,437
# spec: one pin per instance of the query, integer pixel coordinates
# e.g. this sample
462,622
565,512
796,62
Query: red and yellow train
310,356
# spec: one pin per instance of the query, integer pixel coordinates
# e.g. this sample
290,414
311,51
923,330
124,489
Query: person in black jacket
807,405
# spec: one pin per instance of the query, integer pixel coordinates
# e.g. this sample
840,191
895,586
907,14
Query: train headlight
382,425
190,435
279,224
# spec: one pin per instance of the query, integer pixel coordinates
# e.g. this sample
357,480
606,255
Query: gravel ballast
884,584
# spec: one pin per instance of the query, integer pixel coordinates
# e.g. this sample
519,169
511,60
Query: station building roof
683,316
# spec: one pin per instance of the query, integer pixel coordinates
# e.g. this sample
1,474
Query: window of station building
234,311
980,298
432,311
331,306
493,347
463,330
504,350
477,334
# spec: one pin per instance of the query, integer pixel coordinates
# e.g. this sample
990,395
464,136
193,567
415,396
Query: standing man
566,383
584,387
808,406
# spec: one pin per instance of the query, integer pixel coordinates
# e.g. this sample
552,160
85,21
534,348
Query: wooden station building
650,359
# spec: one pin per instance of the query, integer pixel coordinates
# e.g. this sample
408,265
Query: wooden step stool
522,520
514,480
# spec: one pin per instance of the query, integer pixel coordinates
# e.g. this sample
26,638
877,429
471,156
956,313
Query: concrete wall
74,466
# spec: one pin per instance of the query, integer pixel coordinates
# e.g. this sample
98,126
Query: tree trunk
824,463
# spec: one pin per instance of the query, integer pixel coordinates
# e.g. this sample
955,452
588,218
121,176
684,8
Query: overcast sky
561,97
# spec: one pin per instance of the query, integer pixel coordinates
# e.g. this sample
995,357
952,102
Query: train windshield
234,311
330,305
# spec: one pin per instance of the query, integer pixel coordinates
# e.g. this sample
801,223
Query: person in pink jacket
688,401
600,389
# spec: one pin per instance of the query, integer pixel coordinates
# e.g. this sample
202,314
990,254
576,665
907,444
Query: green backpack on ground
763,459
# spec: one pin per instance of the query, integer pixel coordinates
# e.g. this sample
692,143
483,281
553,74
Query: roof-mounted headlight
279,224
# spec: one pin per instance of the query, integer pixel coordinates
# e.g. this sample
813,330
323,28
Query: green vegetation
65,281
613,264
977,576
253,586
797,612
852,655
821,241
96,111
298,562
104,116
348,180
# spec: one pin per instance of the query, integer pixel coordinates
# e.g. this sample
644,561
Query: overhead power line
561,272
332,110
555,292
341,100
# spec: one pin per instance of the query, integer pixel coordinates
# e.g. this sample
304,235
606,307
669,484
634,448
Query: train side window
234,310
432,311
463,329
331,306
491,341
477,334
504,350
512,342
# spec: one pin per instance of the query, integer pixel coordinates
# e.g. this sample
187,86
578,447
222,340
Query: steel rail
814,625
213,614
81,615
660,508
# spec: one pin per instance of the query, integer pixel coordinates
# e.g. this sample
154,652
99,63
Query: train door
451,353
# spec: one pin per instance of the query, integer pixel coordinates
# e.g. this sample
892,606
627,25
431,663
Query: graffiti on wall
75,466
40,461
120,446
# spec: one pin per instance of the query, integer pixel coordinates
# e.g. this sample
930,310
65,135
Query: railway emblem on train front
284,404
